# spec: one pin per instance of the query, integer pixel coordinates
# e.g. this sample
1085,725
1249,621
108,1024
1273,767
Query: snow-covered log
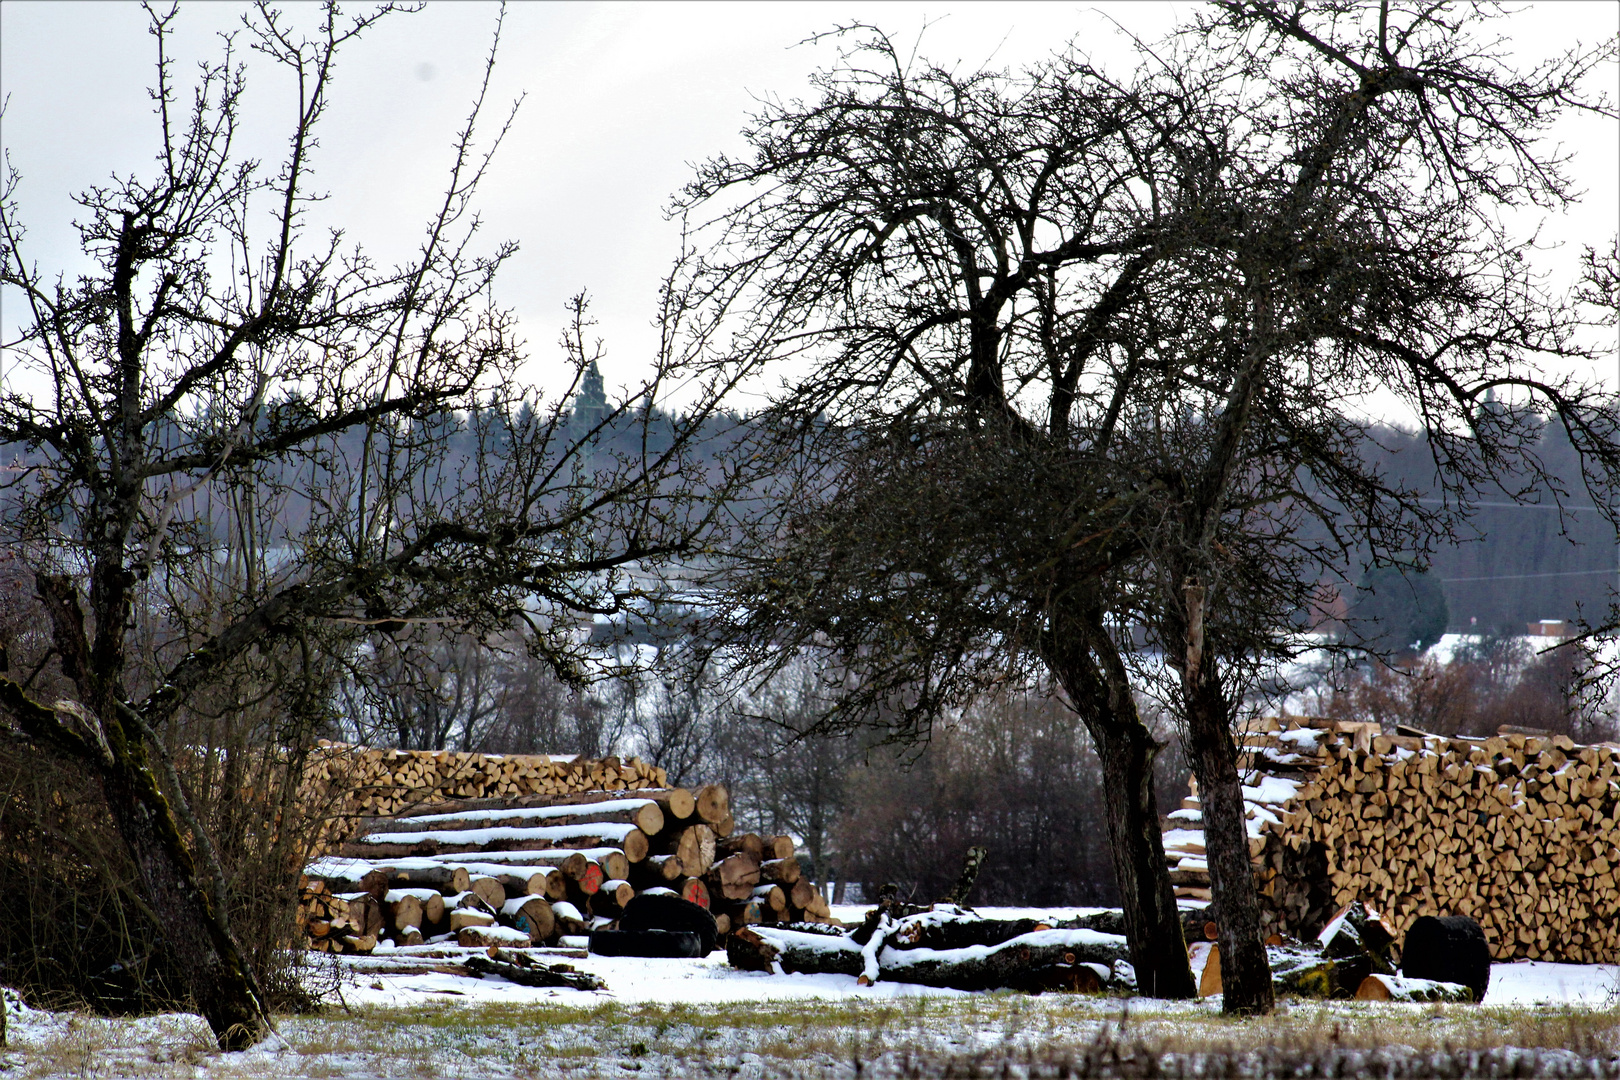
1398,988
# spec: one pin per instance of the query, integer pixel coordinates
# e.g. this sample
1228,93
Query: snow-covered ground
701,1018
712,981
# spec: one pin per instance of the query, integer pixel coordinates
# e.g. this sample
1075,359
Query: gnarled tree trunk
1127,749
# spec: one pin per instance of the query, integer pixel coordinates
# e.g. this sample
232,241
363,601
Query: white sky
621,98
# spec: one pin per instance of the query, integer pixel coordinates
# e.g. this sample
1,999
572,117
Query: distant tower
590,404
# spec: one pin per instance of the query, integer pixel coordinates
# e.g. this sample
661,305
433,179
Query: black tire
1450,949
658,911
663,943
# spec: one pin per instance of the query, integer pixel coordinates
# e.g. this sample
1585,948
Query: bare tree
198,361
1078,351
917,240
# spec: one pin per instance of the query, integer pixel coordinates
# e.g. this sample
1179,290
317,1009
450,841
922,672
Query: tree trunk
1245,972
1147,899
215,972
1127,749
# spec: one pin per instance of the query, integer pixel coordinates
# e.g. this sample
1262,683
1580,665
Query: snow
1275,790
1184,838
1539,982
1304,738
333,866
611,806
513,860
497,834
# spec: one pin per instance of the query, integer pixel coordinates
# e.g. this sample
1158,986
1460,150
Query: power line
1513,577
1510,505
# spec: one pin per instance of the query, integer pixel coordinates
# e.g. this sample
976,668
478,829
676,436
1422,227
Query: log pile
356,782
527,870
1517,831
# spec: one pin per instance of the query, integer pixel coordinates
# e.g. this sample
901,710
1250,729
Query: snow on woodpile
1517,831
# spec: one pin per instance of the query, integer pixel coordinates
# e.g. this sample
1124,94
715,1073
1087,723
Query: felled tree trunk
1398,988
1014,963
751,948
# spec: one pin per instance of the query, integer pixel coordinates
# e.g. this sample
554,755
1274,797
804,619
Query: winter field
675,1018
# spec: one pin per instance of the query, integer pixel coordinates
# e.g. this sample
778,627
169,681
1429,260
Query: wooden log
490,890
463,917
589,882
694,891
532,915
532,974
364,913
752,948
645,814
346,875
1005,965
609,901
556,887
779,871
656,870
1398,988
396,845
695,846
515,880
773,897
750,844
615,866
430,907
778,847
713,804
741,869
569,918
487,936
571,863
404,911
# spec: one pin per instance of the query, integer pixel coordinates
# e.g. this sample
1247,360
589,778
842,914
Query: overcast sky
621,98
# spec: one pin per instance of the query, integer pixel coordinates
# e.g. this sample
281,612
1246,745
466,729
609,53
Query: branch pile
1516,831
528,870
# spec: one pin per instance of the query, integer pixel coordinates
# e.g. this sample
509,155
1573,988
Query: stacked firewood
356,782
528,870
1518,831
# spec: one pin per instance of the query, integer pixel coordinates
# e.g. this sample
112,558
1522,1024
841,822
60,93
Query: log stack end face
529,867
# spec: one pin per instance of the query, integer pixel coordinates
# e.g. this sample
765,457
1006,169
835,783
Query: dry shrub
75,929
1487,684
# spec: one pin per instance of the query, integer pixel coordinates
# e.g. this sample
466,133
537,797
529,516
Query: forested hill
1525,563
